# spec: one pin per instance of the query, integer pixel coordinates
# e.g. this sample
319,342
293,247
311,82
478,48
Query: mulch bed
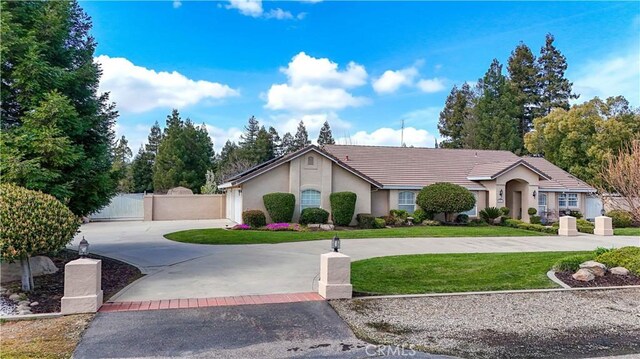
608,280
49,288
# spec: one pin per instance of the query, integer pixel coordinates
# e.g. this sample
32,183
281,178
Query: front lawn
444,273
631,231
223,236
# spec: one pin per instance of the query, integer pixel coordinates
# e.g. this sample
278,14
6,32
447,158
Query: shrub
366,220
490,214
280,206
505,211
255,218
572,263
532,211
462,218
314,215
343,205
576,214
509,222
379,223
399,213
601,250
628,257
430,222
283,227
389,220
584,226
447,198
537,228
419,215
33,223
620,218
477,222
241,227
535,219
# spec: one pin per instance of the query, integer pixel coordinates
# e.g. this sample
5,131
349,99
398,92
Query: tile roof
418,167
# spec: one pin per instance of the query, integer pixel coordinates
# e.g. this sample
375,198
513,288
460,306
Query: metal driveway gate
124,206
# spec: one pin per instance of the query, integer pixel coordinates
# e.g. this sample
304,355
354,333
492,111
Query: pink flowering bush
283,227
241,227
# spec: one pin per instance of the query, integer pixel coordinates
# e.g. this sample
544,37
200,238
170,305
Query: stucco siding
380,203
343,180
184,207
276,180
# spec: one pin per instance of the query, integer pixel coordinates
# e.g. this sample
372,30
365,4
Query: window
474,211
310,161
309,199
542,204
568,200
407,201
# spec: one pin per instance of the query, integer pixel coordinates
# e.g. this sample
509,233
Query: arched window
309,198
407,201
310,161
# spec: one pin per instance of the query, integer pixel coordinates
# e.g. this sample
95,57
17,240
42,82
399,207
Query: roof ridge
424,148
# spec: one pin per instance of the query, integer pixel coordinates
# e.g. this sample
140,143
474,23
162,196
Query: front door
517,204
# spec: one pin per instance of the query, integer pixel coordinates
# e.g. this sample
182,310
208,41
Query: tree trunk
26,275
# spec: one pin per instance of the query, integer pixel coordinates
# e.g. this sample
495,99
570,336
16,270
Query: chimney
347,157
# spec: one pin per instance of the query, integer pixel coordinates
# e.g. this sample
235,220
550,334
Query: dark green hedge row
343,206
255,218
314,215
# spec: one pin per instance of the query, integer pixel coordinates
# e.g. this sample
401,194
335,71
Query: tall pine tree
555,89
264,147
121,165
523,77
288,143
47,68
276,140
301,139
142,171
154,139
325,137
457,113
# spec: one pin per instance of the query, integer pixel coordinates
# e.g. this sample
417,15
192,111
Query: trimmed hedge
620,218
447,198
367,221
380,223
280,206
255,218
584,226
516,223
314,215
628,257
535,219
343,206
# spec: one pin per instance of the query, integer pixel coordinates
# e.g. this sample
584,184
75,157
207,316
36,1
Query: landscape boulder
598,269
40,265
327,227
584,275
619,271
179,191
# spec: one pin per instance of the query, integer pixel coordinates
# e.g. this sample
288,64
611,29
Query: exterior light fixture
335,243
501,193
83,248
603,212
534,194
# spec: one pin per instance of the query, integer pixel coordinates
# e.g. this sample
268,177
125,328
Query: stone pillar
604,226
335,276
82,286
148,207
568,226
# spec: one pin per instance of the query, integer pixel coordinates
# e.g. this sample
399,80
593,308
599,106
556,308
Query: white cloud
138,89
612,76
312,122
316,84
391,81
251,8
177,4
431,85
279,14
219,136
390,137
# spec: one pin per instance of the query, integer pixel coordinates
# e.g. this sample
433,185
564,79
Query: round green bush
532,211
535,220
280,206
379,223
462,218
447,198
419,215
255,218
620,218
343,206
628,257
33,223
314,215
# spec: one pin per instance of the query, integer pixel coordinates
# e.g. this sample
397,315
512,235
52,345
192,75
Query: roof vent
347,157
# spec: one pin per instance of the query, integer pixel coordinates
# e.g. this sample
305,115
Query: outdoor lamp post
335,243
83,248
603,212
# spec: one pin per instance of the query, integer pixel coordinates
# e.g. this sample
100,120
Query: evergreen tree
154,139
496,126
288,143
142,171
555,89
457,112
230,162
264,147
247,143
48,68
121,165
301,139
325,137
277,142
523,77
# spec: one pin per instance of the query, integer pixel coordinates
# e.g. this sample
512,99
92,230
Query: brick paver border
209,302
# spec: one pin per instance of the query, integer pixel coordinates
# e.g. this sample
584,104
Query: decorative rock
583,275
619,271
598,269
34,304
23,302
39,265
327,227
24,312
15,297
179,191
313,225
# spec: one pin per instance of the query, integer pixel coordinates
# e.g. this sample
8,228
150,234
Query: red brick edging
209,302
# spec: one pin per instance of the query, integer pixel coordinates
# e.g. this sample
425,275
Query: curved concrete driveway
180,270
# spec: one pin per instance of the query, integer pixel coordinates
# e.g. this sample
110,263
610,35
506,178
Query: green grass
631,231
444,273
223,236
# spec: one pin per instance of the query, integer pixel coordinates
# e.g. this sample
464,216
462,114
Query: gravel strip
542,325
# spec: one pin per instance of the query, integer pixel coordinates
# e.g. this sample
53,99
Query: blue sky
363,66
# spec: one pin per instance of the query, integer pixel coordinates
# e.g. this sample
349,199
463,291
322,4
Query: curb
30,316
552,275
524,291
